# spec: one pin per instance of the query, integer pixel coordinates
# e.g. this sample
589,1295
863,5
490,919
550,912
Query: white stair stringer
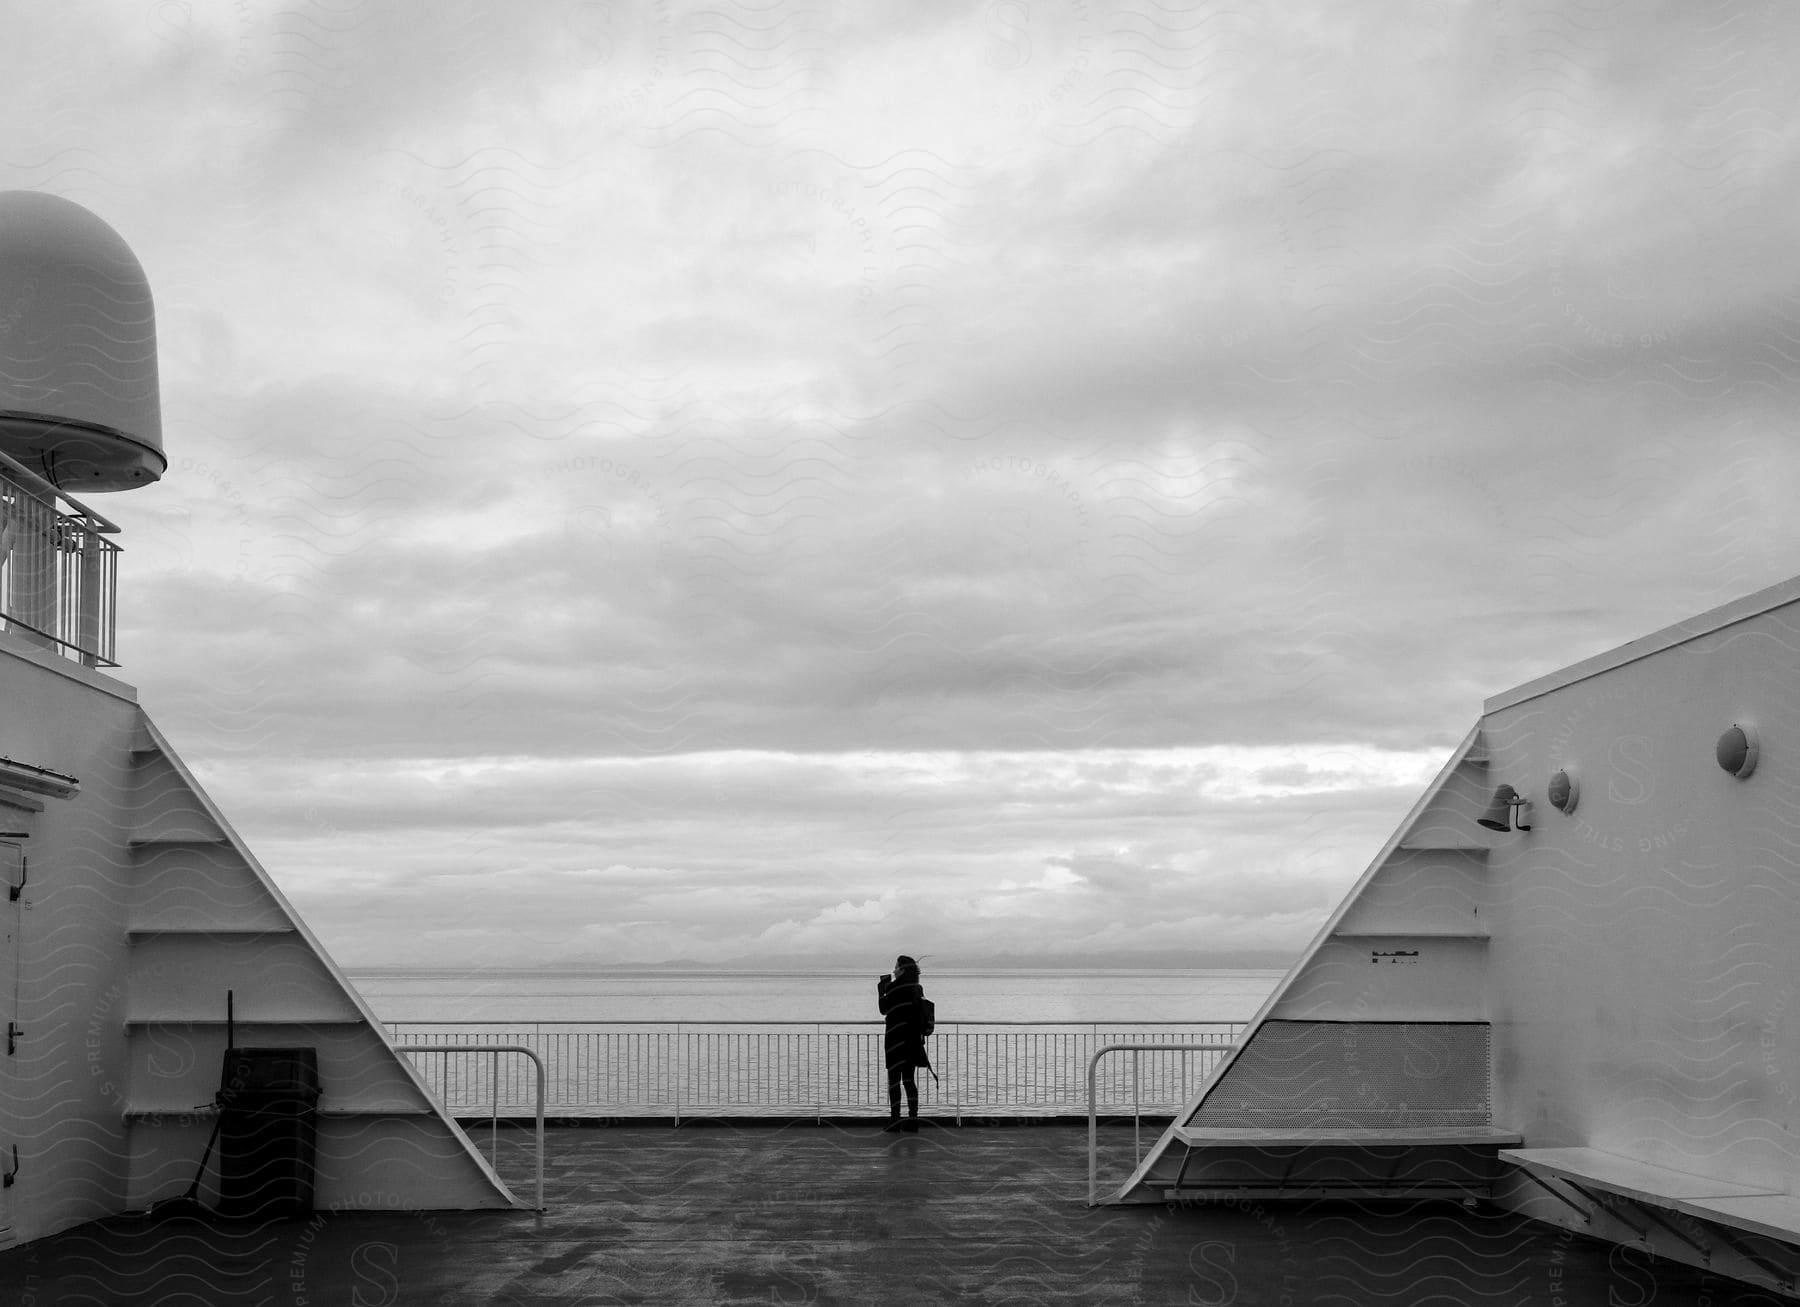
1377,1032
205,918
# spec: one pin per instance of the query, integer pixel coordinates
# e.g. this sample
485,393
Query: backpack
927,1017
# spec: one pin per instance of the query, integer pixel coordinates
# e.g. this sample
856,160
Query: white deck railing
58,572
494,1051
761,1068
1137,1053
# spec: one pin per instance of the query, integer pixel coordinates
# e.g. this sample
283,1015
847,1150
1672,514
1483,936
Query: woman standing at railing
902,1000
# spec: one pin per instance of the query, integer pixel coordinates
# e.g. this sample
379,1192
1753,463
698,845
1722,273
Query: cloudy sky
787,482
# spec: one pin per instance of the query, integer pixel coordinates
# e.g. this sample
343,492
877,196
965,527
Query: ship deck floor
833,1213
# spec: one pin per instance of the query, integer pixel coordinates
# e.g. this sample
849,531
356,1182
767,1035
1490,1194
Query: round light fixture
1737,750
1564,792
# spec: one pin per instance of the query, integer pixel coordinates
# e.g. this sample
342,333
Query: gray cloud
588,436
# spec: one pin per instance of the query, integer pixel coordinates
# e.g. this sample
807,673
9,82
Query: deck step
154,1115
1402,932
205,928
1325,1189
150,839
295,1019
1318,1136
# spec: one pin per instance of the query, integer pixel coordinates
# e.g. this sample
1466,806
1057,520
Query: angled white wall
1377,1024
1644,974
140,908
1623,975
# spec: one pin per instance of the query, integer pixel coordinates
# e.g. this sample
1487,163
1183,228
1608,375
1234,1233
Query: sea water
518,997
676,1042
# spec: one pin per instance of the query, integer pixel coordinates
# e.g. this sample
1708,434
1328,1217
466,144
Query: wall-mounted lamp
1737,750
1504,809
1564,791
14,891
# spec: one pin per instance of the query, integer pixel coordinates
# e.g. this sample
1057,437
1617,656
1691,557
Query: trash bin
268,1132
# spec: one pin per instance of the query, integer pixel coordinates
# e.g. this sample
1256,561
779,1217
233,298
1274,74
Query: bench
1367,1143
1213,1136
1598,1176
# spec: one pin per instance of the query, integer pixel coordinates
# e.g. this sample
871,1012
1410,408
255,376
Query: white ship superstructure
1569,983
137,932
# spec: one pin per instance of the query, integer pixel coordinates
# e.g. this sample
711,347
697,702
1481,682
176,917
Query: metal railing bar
32,481
813,1071
467,1022
58,575
1093,1112
497,1049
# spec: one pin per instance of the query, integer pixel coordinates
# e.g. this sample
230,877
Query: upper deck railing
796,1068
58,572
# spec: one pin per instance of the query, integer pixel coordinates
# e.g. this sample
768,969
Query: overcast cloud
1016,480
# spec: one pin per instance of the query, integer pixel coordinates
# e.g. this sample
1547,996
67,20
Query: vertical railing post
1137,1137
10,522
110,581
1093,1106
956,1085
682,1071
31,526
60,579
543,1083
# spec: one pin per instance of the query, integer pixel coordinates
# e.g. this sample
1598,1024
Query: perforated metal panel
1355,1073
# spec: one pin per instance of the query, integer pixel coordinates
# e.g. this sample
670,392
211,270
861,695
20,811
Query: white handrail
663,1023
1093,1115
802,1068
94,521
542,1087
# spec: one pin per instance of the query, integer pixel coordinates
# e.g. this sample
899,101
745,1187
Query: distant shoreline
697,971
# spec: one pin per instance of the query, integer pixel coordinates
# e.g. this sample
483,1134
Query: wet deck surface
824,1214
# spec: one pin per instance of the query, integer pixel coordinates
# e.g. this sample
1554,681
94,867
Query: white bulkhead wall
63,1087
140,911
1643,975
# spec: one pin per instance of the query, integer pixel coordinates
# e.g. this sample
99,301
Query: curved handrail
87,517
542,1088
802,1068
1093,1114
667,1024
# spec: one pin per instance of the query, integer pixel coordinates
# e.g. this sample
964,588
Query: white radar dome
79,402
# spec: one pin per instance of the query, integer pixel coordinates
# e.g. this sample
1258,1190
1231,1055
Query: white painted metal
78,380
58,575
1713,620
144,909
72,720
127,949
1633,959
1644,984
1093,1104
542,1083
766,1068
385,1140
12,1106
1424,819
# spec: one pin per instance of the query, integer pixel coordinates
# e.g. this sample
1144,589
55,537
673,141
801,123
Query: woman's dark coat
905,1043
